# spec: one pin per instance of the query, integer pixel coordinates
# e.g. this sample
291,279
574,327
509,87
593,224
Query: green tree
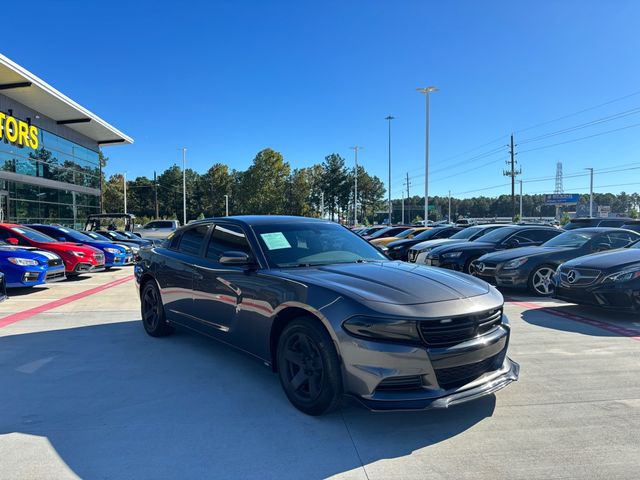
262,187
335,184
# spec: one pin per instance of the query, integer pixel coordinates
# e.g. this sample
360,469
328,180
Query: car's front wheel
152,310
308,367
541,281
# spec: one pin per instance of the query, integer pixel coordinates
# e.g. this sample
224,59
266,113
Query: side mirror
235,258
12,241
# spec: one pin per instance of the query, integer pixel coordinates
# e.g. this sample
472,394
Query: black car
632,225
533,268
329,312
460,256
399,249
615,222
609,280
387,232
135,243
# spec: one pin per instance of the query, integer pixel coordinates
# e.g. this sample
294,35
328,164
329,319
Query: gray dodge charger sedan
329,313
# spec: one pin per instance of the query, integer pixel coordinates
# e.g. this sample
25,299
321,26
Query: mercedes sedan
329,313
533,268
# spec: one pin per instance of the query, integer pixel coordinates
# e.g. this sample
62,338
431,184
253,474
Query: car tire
541,281
152,310
467,266
308,367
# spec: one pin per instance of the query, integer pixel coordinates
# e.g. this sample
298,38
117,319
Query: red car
77,258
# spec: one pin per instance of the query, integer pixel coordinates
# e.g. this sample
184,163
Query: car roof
263,219
600,230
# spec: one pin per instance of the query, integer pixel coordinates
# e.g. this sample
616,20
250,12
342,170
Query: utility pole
321,204
389,118
427,91
184,185
355,189
124,181
406,183
226,205
590,192
155,188
449,218
512,172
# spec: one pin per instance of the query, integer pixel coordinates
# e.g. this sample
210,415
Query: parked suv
615,222
158,229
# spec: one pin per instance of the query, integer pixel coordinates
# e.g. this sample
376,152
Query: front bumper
389,376
28,276
623,297
86,267
516,278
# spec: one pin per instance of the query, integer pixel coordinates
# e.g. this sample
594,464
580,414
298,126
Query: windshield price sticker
275,240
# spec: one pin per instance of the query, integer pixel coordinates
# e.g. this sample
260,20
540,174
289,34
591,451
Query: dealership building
49,152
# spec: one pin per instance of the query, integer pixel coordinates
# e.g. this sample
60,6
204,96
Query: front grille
456,377
56,262
484,268
396,384
54,275
446,332
579,277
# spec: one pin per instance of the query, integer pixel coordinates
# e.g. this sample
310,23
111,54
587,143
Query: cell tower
559,188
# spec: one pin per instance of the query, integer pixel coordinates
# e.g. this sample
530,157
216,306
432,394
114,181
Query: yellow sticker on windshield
275,240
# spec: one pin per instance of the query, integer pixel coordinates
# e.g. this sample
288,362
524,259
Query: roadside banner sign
561,198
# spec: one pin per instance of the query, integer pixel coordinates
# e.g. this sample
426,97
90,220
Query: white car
158,229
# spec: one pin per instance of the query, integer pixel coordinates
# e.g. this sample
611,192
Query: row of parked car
34,254
596,265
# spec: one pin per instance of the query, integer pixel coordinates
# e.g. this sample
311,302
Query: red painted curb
626,332
17,317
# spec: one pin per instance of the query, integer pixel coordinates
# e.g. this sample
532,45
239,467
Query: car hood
613,259
27,252
407,242
513,253
476,246
436,243
390,282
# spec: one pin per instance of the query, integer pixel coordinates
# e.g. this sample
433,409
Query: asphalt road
85,393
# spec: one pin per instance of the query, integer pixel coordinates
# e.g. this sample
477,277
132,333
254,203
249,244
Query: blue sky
228,78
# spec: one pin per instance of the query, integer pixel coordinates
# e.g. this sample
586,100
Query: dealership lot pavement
86,393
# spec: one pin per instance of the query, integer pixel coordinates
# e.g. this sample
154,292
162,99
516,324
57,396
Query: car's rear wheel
541,281
152,310
308,367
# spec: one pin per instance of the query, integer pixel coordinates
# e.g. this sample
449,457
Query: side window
619,239
191,240
225,238
610,223
149,226
534,237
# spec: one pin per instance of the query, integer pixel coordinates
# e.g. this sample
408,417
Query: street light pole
590,192
449,217
355,189
184,186
389,118
520,200
427,91
226,205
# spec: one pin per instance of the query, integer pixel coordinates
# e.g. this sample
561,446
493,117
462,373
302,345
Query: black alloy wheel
152,310
308,367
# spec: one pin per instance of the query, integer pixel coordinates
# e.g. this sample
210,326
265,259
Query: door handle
198,276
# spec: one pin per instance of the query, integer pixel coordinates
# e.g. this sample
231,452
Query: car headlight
515,263
383,248
134,249
114,251
399,247
624,275
383,328
23,262
451,255
76,253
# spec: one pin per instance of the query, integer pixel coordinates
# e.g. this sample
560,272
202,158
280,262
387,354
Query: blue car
27,267
114,255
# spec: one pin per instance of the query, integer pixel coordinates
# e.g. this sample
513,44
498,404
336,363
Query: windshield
74,234
380,232
406,233
573,239
310,243
427,234
34,235
467,232
635,245
114,235
499,235
97,236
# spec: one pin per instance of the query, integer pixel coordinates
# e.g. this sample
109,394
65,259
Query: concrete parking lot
85,393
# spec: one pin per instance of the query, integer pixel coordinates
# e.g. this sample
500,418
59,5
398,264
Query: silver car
158,229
